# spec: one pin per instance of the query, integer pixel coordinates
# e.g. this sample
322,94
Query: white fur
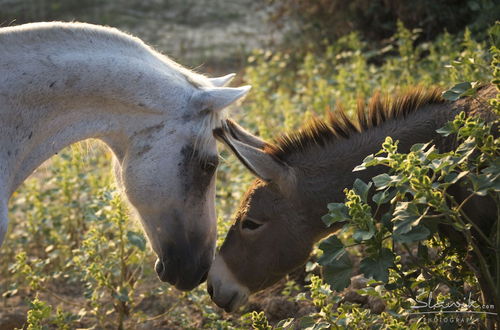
3,222
222,81
65,82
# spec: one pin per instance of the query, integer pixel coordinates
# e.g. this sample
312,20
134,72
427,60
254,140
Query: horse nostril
210,290
159,267
204,277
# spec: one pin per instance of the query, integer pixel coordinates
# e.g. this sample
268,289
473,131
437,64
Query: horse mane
89,36
380,109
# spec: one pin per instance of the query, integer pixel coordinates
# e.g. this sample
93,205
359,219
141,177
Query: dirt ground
211,36
272,301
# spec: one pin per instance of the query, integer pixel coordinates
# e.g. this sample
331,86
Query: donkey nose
204,277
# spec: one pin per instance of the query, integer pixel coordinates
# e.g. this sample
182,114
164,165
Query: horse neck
324,171
50,100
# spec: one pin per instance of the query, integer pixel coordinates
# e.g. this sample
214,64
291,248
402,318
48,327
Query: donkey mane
380,109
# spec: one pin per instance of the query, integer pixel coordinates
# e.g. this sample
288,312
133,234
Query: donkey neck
50,99
324,171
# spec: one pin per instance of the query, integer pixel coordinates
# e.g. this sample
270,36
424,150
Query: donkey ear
260,163
222,81
214,99
242,135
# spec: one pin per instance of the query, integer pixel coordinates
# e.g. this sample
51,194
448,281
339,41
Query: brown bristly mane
338,125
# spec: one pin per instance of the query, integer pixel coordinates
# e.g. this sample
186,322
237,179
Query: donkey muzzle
224,289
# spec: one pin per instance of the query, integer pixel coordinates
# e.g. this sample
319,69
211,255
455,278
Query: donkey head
168,174
268,239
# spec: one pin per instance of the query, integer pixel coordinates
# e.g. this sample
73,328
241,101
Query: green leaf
362,189
461,87
454,177
307,322
381,181
406,216
332,249
417,233
457,91
378,267
364,235
338,212
386,220
451,96
359,168
446,130
363,165
338,274
321,325
137,240
284,324
482,183
419,147
381,197
369,160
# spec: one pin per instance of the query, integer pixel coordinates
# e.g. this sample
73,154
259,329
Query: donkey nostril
210,290
204,277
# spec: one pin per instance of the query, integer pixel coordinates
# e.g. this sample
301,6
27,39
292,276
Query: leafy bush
313,23
85,263
416,183
416,191
286,93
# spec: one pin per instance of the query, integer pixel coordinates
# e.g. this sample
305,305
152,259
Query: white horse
65,82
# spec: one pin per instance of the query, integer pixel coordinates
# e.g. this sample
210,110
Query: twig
55,295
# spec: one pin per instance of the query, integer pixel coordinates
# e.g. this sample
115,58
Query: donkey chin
223,287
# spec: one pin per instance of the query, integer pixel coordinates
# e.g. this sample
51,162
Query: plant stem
458,208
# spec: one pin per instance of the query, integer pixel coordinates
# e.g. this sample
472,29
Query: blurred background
218,35
61,266
206,34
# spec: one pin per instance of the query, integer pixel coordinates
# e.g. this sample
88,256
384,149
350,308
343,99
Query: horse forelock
205,140
380,109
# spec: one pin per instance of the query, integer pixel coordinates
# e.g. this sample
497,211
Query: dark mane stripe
338,125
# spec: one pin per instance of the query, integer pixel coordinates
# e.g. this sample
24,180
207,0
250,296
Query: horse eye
249,224
205,111
210,165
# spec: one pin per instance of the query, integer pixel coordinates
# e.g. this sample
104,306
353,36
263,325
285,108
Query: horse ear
242,135
214,99
222,81
260,163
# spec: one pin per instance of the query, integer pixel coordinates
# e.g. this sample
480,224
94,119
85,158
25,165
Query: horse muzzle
185,273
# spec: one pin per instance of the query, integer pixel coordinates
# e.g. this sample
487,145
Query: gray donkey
279,218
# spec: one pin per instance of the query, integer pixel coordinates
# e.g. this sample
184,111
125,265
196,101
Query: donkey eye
249,224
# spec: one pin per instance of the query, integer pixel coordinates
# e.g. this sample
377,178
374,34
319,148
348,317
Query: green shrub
313,24
75,232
